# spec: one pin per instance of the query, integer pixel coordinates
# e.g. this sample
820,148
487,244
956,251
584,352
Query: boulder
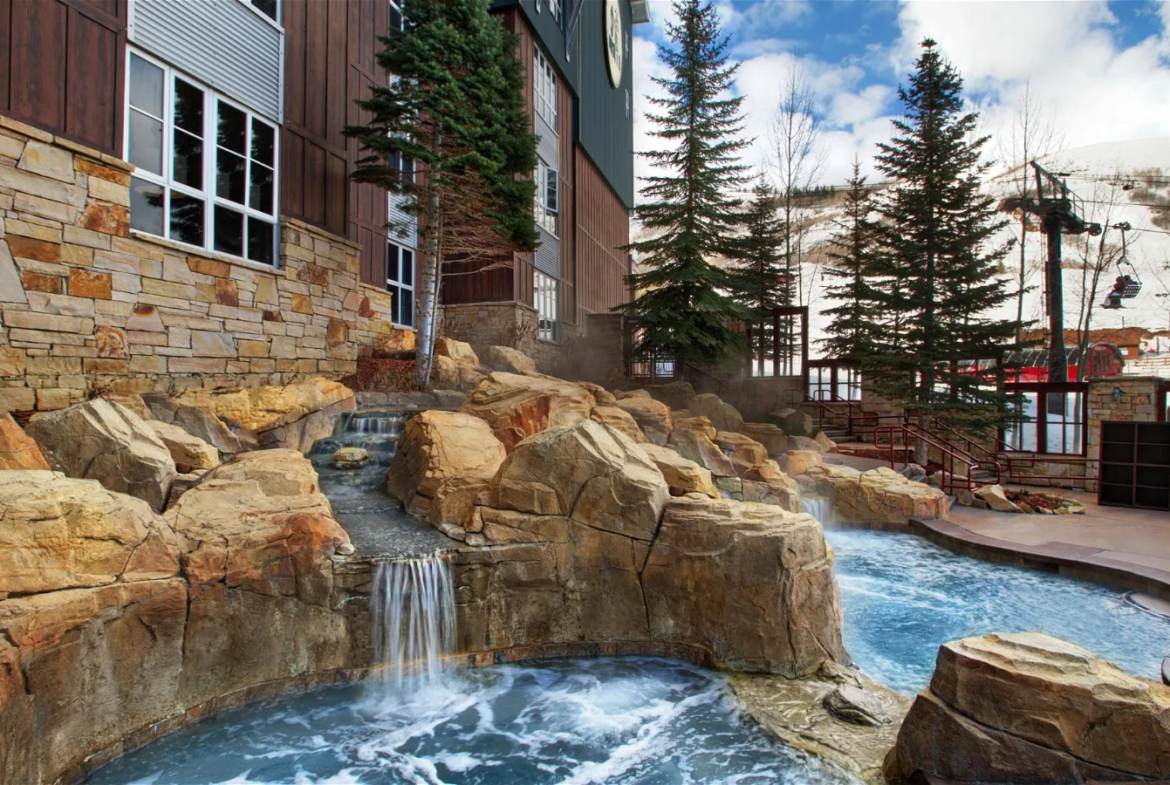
260,523
805,443
1027,707
62,533
444,461
160,405
696,447
652,416
518,406
295,416
996,499
797,462
676,395
459,351
877,496
100,440
768,484
602,396
682,476
587,472
205,426
448,374
853,704
751,582
620,420
623,394
723,416
767,434
824,443
189,453
504,358
794,422
700,425
745,454
349,458
18,450
184,483
133,402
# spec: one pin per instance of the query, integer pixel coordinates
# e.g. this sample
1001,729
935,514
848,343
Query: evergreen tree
759,278
939,265
682,308
455,105
854,273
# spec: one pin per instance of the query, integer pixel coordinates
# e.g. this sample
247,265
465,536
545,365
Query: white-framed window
400,284
547,199
545,299
270,8
554,8
544,89
206,167
404,164
397,20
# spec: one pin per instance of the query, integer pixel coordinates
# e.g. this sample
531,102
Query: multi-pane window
400,284
545,297
547,199
206,168
544,89
397,20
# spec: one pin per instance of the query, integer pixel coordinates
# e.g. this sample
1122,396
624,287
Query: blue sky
1101,70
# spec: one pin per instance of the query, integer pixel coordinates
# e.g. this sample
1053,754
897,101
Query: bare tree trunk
428,306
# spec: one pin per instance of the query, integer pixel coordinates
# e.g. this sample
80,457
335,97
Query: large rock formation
1030,708
100,440
767,602
444,461
765,484
114,625
190,453
586,472
459,351
744,453
767,434
518,406
694,445
682,476
447,374
722,415
620,421
877,496
652,416
293,415
18,450
505,358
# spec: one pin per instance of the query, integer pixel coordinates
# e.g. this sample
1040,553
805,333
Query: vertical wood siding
61,67
330,62
603,228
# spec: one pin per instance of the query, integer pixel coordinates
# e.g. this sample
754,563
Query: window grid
400,283
172,191
544,89
547,197
545,299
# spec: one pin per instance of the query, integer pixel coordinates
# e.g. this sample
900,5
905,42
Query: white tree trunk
428,305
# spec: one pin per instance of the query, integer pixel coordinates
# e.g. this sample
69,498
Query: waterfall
412,610
371,422
818,507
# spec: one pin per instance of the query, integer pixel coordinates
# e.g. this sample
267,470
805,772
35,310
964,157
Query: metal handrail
948,452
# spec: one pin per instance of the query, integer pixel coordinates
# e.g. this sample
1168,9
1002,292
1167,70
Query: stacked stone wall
482,325
1136,403
88,305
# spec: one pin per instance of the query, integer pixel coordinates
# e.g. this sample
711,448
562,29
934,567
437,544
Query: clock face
614,36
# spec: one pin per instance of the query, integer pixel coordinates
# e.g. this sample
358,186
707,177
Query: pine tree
454,104
940,267
759,278
682,309
855,283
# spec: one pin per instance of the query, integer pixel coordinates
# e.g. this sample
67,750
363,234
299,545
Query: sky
1100,70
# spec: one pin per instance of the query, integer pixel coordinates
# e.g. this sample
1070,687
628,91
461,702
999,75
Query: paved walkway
1126,547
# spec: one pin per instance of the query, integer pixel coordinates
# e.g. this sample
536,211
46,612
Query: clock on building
614,38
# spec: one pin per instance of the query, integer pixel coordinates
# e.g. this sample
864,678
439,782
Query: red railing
949,455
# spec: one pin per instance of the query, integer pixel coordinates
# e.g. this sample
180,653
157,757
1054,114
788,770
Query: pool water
623,721
903,597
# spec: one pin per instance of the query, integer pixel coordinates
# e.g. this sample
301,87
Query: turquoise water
903,597
625,721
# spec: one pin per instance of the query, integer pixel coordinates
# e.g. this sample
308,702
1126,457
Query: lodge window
547,199
545,297
270,8
206,168
400,284
544,89
397,20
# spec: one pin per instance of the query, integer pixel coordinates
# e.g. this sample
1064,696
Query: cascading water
412,619
818,507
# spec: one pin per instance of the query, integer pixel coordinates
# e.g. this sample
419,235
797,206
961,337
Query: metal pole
1057,361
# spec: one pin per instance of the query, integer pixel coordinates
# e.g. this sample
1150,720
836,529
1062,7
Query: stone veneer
1136,404
87,304
482,325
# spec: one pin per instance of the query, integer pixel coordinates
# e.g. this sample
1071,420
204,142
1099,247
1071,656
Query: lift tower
1060,212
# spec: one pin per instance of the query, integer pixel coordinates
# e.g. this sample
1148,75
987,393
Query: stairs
982,476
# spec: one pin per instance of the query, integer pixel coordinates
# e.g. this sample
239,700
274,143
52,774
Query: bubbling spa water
626,721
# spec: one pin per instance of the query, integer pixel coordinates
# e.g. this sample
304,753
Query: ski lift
1128,286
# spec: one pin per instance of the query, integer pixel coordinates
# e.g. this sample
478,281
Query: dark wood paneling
603,228
61,67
